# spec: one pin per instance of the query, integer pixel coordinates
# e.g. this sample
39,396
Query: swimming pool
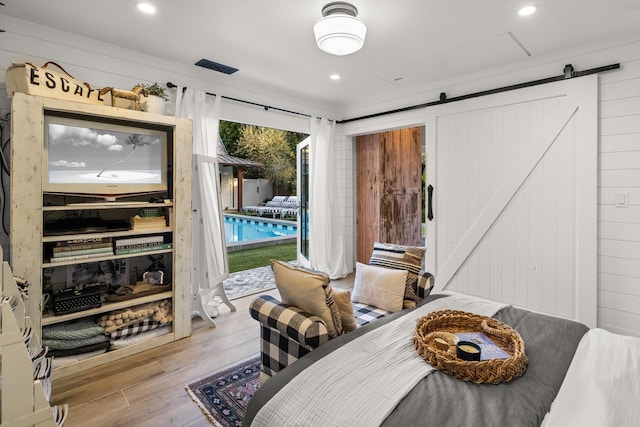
242,232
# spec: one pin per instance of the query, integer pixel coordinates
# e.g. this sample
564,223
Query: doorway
389,180
302,151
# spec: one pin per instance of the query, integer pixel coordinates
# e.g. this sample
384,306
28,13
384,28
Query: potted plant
153,98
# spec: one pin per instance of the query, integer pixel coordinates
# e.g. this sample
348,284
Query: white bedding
384,361
602,385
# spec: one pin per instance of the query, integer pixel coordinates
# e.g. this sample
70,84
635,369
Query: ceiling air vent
221,68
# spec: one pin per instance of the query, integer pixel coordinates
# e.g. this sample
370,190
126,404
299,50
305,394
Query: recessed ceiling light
146,8
528,10
334,76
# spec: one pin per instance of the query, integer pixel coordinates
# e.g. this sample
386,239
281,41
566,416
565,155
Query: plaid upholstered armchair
289,331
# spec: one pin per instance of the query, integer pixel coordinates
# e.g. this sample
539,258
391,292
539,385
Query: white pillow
380,287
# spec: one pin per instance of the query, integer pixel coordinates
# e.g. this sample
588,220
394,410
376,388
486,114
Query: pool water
238,229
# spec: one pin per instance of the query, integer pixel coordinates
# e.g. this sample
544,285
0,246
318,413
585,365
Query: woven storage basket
440,324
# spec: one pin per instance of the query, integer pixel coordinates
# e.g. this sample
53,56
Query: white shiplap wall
108,65
103,65
345,156
619,169
619,173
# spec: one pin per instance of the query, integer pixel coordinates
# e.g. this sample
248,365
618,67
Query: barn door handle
430,202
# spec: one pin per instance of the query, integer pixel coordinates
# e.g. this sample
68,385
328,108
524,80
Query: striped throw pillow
400,257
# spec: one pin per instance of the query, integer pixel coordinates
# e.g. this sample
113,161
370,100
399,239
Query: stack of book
141,244
148,223
79,249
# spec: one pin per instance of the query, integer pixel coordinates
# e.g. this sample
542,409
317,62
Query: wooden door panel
388,187
399,212
368,161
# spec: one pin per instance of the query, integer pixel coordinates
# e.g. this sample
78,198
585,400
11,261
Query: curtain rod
266,107
568,73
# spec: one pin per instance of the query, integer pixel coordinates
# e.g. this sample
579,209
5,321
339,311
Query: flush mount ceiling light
339,31
146,8
528,10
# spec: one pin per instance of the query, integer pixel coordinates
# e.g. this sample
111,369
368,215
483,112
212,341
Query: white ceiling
409,45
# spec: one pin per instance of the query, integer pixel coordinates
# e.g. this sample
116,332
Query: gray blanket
443,400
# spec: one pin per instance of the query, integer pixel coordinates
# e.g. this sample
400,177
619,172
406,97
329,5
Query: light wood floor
148,389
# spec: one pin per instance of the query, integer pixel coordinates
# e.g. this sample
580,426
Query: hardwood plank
85,413
118,379
181,415
148,389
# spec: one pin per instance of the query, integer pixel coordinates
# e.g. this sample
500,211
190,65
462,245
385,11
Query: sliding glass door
302,153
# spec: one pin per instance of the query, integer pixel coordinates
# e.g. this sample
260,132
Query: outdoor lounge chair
290,207
277,211
275,202
292,212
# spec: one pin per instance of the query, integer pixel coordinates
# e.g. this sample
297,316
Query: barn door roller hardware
567,73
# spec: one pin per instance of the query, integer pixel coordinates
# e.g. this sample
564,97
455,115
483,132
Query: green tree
279,154
272,148
230,133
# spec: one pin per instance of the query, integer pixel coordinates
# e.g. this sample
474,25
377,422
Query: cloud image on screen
91,155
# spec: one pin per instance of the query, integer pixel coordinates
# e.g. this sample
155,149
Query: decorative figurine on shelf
153,277
154,274
151,281
157,263
131,95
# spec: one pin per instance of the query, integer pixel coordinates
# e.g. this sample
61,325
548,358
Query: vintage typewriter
80,298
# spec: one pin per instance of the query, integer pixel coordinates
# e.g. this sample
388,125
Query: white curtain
208,246
326,242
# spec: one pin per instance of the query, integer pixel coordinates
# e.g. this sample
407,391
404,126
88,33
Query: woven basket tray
443,323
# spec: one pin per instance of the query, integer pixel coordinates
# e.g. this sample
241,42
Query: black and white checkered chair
288,333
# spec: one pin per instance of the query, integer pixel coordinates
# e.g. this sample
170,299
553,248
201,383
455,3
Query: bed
327,388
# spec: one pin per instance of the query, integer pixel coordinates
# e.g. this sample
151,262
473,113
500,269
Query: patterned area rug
224,396
249,282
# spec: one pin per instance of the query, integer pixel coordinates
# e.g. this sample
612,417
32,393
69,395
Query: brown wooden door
388,187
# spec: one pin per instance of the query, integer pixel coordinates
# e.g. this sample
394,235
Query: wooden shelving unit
107,306
32,209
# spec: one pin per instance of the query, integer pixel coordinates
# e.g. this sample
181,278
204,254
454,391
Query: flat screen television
85,156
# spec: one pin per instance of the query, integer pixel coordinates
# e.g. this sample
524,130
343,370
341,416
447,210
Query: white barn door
515,197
